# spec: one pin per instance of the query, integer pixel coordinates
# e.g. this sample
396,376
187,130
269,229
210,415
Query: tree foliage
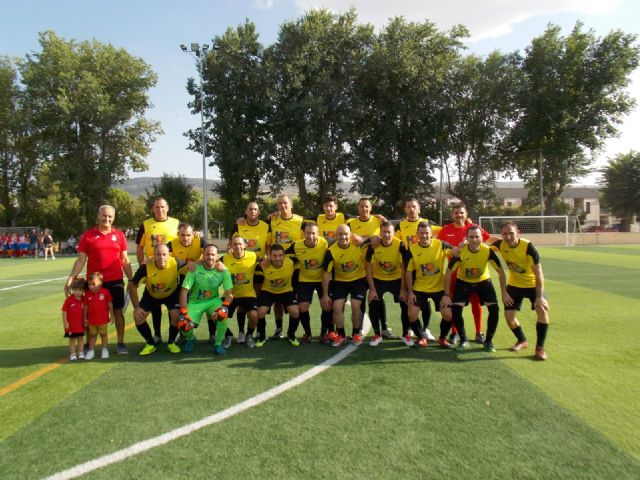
572,99
179,194
621,186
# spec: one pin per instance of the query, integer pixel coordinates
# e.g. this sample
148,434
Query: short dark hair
411,199
329,198
277,248
79,283
423,225
386,223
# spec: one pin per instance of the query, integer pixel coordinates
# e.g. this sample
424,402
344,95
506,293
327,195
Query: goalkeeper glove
184,321
222,312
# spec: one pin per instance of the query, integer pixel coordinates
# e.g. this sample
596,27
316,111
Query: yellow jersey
327,228
278,280
159,282
427,263
520,260
255,237
347,264
309,259
386,262
193,252
473,267
242,271
407,231
365,228
285,232
155,233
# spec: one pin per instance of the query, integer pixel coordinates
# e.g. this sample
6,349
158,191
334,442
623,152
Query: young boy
73,319
98,313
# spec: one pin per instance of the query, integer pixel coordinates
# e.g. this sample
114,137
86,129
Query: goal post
564,225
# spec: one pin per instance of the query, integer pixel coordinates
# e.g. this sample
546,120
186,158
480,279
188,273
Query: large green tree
236,104
182,198
572,99
480,97
621,186
315,64
87,101
400,111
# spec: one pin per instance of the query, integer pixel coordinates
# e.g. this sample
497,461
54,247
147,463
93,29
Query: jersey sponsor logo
411,239
159,287
278,283
472,272
205,294
252,244
239,278
312,264
515,268
157,239
429,269
329,235
388,267
349,266
282,237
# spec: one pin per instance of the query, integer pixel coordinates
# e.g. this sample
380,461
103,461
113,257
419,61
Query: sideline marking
49,368
33,283
229,412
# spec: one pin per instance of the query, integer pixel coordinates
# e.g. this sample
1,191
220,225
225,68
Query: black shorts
357,289
518,294
243,304
73,335
484,289
305,291
266,299
116,289
388,286
172,302
422,300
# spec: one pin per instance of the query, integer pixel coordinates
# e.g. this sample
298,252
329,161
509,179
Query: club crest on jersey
515,268
278,283
252,243
472,272
158,287
239,278
312,264
204,294
387,267
349,266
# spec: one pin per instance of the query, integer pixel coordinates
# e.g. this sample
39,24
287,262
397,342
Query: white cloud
263,4
486,18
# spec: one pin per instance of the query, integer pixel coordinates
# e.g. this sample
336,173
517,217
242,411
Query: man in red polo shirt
105,249
455,234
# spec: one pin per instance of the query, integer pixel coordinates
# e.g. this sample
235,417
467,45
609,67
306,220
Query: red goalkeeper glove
184,321
222,312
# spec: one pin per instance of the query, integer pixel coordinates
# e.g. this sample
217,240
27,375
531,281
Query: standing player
200,295
525,281
385,274
473,276
455,234
98,313
161,278
344,270
256,234
155,231
310,253
277,287
242,263
104,249
425,281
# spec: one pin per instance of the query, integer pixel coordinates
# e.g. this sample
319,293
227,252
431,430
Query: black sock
325,322
250,331
541,330
293,326
241,317
404,319
305,321
228,333
156,316
375,313
145,331
426,316
262,329
444,328
341,332
212,327
458,321
173,333
519,334
492,321
417,328
384,325
279,323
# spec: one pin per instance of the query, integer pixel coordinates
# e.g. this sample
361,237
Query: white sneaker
73,357
388,334
227,341
81,356
428,335
90,354
241,337
375,341
105,354
407,341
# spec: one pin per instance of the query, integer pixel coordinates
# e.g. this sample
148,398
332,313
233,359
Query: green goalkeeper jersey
205,284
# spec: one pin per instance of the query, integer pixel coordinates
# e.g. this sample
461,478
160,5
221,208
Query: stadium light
199,54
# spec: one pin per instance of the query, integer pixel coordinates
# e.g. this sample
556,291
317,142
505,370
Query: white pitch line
185,430
32,283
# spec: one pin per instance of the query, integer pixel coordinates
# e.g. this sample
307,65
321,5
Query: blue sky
154,30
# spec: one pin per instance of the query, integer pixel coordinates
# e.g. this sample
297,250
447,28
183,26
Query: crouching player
473,277
525,281
204,284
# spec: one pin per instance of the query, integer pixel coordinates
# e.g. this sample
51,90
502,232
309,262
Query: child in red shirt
98,313
73,319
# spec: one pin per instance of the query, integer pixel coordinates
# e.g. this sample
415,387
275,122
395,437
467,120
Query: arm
373,294
85,320
506,298
111,315
140,254
326,299
540,300
138,313
65,322
78,265
407,281
126,265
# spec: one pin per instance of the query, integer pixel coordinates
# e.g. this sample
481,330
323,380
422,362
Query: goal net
563,225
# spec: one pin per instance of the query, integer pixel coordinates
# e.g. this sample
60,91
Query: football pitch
321,412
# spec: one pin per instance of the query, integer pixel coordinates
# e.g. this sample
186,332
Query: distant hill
137,187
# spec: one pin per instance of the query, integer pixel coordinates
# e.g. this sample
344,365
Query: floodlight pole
541,192
199,53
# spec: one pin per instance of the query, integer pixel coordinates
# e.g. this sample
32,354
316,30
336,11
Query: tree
315,64
180,195
87,102
572,99
399,111
130,212
236,104
621,187
480,96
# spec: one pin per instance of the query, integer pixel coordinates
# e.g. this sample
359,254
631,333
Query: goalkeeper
201,289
